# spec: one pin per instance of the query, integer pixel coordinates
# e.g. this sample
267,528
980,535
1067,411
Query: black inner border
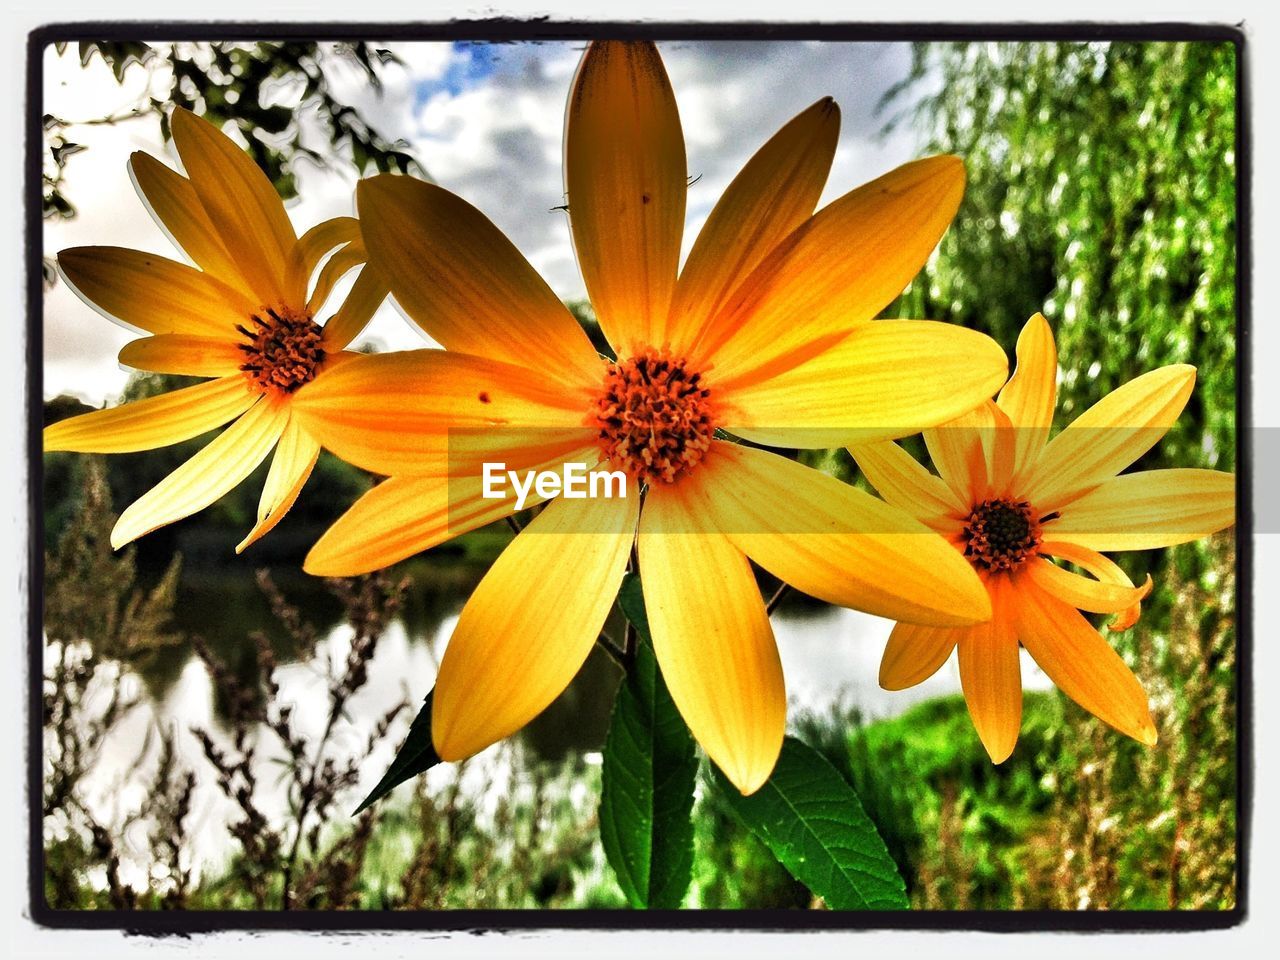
157,923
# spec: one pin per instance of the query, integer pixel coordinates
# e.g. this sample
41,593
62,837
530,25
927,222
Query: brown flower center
1000,534
655,416
282,350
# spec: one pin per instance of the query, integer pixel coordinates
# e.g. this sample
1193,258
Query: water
830,656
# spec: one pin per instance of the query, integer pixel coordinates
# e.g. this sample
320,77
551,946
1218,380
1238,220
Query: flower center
282,350
1000,534
655,416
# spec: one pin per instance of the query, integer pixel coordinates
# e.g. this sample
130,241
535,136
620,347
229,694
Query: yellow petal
154,422
903,482
531,622
1149,509
153,294
915,653
244,208
174,205
184,354
1109,436
324,237
334,269
1031,395
886,379
398,518
991,678
428,411
840,267
1104,569
403,516
362,302
775,192
960,451
626,181
1080,662
465,284
294,459
833,541
1096,596
215,470
713,640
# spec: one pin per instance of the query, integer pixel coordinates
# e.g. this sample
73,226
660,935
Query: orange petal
153,294
1149,509
999,444
713,640
775,192
833,541
405,515
840,267
1080,662
184,354
465,284
915,653
886,379
362,302
1103,568
1031,395
1109,436
626,180
155,422
428,412
991,678
334,269
324,237
294,459
959,450
244,208
174,205
214,471
1096,596
531,622
903,482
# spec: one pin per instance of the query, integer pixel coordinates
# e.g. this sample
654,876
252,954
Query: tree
1102,193
260,87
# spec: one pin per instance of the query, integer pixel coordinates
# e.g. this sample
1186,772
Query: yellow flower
1009,499
766,333
243,318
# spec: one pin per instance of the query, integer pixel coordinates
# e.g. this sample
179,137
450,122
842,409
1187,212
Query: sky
486,121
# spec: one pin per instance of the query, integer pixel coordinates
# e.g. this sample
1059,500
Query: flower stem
611,647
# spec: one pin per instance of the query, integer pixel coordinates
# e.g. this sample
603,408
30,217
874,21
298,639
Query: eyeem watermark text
572,481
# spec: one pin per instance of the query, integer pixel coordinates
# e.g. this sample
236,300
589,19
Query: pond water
830,656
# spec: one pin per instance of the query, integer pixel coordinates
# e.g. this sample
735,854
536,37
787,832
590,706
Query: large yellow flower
1009,499
766,333
244,318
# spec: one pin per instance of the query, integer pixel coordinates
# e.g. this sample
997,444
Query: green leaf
813,822
646,797
417,755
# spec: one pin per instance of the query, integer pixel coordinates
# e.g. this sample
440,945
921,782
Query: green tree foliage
1102,193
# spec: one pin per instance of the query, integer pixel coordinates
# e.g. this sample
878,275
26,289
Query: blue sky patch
470,64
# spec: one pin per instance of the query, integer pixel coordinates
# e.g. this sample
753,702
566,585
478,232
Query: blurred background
211,720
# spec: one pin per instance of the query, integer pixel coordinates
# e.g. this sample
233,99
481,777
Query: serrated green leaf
417,755
646,796
813,822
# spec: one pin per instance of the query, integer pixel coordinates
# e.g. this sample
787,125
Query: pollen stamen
655,416
1000,534
284,350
